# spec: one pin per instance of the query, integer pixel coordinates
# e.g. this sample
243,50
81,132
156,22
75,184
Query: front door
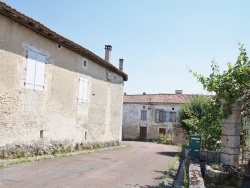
143,133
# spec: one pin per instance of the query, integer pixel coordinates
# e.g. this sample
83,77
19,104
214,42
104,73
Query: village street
141,164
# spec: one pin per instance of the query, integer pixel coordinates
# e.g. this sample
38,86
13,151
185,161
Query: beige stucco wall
132,120
23,112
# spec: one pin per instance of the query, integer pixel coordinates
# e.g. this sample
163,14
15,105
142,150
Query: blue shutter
156,116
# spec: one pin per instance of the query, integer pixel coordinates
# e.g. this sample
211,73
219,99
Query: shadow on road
167,153
146,186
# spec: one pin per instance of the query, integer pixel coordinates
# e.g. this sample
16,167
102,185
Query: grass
217,166
186,177
171,166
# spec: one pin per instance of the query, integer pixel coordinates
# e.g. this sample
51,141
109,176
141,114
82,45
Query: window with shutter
164,116
80,91
144,115
35,71
172,116
157,116
83,90
40,72
167,116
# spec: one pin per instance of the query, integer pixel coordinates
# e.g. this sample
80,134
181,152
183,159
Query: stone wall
179,135
54,114
195,177
12,151
132,120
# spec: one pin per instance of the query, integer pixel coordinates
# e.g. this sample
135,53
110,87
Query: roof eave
46,32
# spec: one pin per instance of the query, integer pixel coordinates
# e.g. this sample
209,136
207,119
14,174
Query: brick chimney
108,49
178,91
121,64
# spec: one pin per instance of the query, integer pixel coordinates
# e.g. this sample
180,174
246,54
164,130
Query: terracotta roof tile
159,98
46,32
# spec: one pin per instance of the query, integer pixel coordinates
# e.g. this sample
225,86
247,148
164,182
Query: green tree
232,85
202,116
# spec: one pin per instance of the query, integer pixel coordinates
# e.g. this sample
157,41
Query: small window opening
114,76
41,133
172,108
86,134
84,63
143,107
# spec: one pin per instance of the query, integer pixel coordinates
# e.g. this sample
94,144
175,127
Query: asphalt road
141,164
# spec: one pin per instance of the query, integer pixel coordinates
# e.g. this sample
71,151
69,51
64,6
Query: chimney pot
121,64
108,49
178,91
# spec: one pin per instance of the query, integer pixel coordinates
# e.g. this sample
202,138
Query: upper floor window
164,116
84,64
35,71
83,90
143,115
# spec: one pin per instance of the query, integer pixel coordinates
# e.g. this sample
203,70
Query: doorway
143,133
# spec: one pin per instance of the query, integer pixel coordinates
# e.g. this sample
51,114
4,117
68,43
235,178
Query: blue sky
158,39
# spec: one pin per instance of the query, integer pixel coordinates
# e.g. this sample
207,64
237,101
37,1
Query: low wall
210,156
179,135
195,177
48,148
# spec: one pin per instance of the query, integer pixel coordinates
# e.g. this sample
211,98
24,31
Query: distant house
54,90
147,115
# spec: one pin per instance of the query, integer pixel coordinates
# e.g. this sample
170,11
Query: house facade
54,90
147,115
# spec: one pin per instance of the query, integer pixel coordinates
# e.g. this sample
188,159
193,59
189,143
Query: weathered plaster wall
132,120
56,111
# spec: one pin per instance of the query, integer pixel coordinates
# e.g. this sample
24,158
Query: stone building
54,90
147,115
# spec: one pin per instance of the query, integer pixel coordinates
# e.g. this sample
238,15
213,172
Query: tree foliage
232,85
202,116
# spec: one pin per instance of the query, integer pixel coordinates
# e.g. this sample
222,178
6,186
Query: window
161,116
162,131
84,64
86,134
143,115
109,76
172,116
164,116
83,90
35,71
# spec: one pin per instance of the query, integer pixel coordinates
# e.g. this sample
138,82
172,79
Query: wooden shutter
164,116
143,114
173,116
30,70
156,116
80,92
167,116
85,89
40,71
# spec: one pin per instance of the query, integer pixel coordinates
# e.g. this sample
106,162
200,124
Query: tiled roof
158,98
46,32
